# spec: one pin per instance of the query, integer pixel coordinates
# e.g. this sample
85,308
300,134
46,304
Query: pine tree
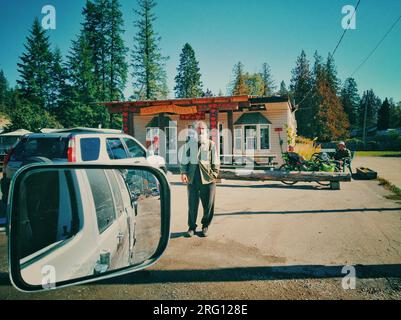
58,77
35,67
150,79
395,114
81,90
4,91
350,100
188,79
371,103
383,120
268,83
331,73
207,93
103,27
255,83
283,90
118,66
301,86
94,28
238,85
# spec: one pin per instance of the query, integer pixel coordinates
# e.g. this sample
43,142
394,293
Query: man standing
199,166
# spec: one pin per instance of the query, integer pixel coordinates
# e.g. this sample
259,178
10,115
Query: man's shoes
190,233
204,232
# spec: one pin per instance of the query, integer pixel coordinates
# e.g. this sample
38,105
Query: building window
264,137
152,140
238,138
252,137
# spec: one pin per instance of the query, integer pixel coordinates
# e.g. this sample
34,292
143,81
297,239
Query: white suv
86,214
76,145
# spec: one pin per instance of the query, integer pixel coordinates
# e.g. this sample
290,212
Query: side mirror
76,223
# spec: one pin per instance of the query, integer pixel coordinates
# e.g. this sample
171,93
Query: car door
107,215
123,219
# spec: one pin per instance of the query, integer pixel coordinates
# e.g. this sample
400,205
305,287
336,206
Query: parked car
86,214
76,145
7,140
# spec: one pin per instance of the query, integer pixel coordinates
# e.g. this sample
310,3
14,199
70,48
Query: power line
336,47
377,46
346,29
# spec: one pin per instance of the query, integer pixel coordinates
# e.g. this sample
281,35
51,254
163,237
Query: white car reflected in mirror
86,222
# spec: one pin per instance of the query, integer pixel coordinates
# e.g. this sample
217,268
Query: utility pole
365,115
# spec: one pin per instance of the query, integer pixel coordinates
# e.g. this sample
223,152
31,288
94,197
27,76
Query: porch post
214,118
230,125
131,127
125,120
162,135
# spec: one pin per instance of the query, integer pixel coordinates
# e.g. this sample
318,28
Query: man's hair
196,124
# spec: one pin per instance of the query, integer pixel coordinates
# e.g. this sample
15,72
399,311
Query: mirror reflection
75,223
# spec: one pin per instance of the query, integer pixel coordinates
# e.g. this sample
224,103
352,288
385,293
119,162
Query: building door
171,145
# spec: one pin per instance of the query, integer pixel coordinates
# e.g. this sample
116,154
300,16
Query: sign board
194,116
171,108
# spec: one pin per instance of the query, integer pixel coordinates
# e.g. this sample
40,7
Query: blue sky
223,32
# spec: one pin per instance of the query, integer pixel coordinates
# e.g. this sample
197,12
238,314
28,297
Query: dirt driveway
388,168
267,241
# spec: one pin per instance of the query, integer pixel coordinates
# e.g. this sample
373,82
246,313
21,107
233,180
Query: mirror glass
74,223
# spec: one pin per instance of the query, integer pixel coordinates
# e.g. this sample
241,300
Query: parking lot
267,241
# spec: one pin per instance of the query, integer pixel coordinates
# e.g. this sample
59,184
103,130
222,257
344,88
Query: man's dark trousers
206,193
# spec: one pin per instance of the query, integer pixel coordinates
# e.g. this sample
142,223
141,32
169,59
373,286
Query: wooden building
243,125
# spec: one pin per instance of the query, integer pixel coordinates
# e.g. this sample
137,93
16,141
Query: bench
268,175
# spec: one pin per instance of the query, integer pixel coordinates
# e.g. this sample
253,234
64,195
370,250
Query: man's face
341,147
201,129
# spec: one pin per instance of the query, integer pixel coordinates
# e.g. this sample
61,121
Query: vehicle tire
285,168
315,157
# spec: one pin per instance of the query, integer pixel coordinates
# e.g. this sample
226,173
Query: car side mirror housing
78,223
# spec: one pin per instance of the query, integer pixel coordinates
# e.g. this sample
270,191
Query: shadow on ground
254,274
359,210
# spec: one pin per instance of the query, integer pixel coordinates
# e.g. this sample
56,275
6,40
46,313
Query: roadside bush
306,147
390,142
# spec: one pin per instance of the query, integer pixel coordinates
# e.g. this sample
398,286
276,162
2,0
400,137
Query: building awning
154,123
252,118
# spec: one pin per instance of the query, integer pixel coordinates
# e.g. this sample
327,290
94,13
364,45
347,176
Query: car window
102,196
134,149
115,149
116,191
50,212
51,148
90,149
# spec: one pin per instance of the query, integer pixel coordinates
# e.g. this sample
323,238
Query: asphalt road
267,241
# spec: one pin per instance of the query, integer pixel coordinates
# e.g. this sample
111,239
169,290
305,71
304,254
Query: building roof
252,118
202,104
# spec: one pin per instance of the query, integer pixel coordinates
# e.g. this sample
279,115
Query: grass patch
378,153
391,187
